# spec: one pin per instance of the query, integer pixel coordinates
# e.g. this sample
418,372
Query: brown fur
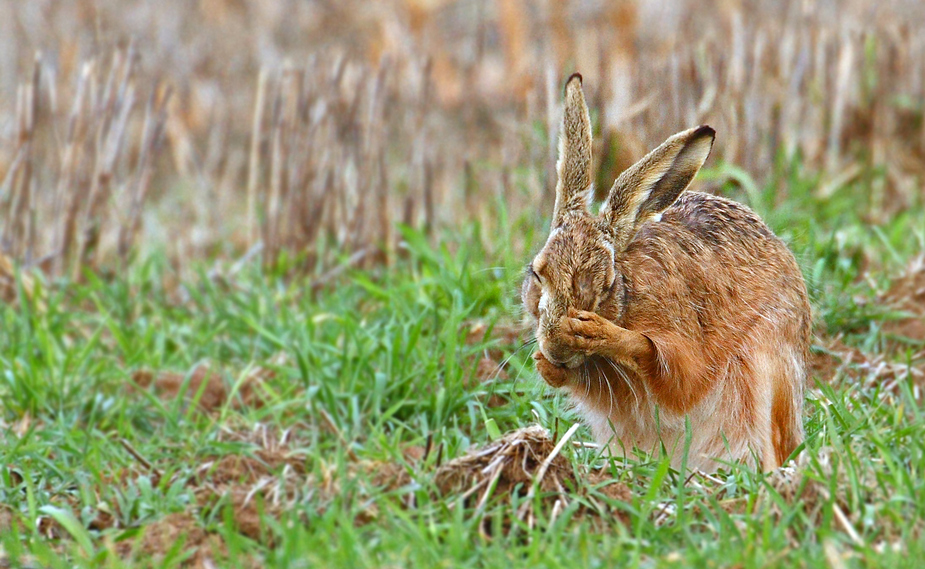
698,315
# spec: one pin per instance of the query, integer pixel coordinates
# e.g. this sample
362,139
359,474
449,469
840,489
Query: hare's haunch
669,306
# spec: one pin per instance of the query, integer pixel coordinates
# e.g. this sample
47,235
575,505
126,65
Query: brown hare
668,307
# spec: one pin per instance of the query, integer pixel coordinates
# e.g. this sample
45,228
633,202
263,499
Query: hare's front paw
551,373
588,333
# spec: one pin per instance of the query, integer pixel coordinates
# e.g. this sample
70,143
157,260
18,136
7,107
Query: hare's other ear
654,183
574,165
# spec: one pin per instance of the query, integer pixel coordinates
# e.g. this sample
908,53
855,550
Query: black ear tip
704,130
573,77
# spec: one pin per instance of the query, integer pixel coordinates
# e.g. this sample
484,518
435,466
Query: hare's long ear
654,183
574,165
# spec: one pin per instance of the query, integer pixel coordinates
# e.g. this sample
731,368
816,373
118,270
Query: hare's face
575,270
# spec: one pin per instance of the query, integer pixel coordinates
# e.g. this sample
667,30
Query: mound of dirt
527,463
519,458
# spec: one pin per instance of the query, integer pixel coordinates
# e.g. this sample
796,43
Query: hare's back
713,256
724,225
707,228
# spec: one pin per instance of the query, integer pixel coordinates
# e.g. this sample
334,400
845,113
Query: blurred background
307,129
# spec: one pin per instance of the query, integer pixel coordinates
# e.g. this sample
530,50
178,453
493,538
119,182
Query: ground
393,417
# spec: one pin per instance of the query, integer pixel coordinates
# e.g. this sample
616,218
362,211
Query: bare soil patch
829,356
162,535
492,365
834,361
501,334
907,294
206,385
266,479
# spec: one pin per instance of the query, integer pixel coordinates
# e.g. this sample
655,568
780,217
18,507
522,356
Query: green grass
380,363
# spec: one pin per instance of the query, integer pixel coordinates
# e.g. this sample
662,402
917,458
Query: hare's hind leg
777,399
787,404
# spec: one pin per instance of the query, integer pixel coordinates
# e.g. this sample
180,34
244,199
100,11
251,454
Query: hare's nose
558,352
567,360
